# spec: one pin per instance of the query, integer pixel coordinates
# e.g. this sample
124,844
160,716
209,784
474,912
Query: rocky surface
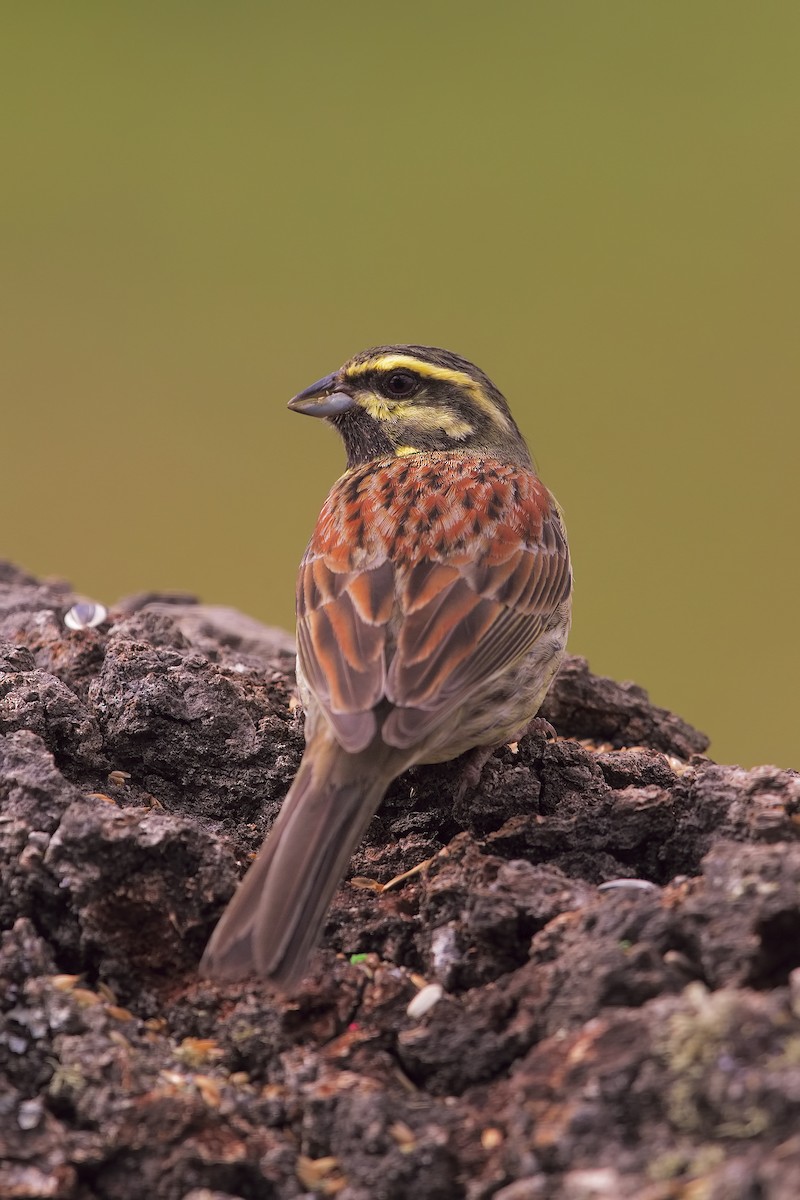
612,920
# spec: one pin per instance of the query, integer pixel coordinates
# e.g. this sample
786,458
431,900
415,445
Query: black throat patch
362,435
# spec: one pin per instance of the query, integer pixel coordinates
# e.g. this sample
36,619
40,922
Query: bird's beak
322,399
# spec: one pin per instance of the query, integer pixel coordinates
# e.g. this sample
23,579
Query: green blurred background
206,206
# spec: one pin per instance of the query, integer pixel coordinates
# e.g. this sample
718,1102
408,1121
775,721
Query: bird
433,606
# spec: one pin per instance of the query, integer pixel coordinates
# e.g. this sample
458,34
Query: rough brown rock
634,1040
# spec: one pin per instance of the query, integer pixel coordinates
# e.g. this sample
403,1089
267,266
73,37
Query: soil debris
579,980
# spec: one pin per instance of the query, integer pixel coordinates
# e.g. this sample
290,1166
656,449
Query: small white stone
85,615
29,1114
794,991
425,1000
634,885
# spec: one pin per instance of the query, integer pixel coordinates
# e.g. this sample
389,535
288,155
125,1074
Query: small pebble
29,1114
794,991
85,615
635,885
425,1000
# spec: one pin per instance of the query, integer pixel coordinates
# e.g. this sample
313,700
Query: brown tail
275,917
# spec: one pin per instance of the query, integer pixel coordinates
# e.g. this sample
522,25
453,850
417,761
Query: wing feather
408,620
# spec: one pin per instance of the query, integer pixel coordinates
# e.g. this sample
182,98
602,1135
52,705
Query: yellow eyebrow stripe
394,362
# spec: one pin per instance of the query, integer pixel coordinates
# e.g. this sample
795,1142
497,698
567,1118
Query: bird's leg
472,764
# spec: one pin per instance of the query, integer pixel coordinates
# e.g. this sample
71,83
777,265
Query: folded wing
397,629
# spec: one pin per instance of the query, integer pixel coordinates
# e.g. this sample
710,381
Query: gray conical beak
322,399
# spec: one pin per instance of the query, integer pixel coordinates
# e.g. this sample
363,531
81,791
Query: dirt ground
613,920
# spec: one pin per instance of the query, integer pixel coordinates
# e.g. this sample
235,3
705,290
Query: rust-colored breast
429,507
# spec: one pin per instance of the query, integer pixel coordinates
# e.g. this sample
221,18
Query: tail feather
274,920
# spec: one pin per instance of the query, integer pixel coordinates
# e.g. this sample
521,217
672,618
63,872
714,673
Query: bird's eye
399,384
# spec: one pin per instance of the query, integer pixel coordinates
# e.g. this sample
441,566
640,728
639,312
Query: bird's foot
540,727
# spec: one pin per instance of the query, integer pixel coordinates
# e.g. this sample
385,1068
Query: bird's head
397,400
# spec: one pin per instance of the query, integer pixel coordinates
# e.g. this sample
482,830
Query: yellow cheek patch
378,408
410,416
438,420
404,451
460,379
